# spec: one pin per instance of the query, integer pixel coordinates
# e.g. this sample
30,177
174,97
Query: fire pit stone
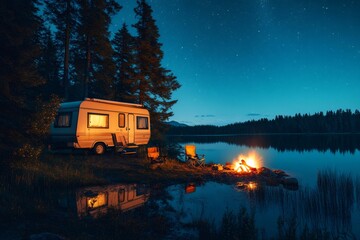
266,172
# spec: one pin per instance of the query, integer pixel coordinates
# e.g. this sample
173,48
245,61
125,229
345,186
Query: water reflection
329,209
293,142
190,188
246,186
329,206
96,201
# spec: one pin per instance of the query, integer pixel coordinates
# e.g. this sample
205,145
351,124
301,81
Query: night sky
239,60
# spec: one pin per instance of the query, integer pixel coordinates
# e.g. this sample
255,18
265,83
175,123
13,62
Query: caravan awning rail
114,102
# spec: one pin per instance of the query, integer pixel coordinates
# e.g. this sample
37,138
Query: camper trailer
99,124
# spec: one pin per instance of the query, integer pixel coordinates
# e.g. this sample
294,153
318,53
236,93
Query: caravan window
63,120
142,123
121,120
96,120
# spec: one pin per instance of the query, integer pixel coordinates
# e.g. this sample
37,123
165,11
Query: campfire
247,162
251,165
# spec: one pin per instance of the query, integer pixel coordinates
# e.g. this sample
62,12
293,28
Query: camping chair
193,159
153,155
118,146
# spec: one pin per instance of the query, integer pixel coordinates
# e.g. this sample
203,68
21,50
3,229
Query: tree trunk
67,47
87,68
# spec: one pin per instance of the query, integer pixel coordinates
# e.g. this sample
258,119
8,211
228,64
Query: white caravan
97,124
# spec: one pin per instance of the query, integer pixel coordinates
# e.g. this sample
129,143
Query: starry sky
239,60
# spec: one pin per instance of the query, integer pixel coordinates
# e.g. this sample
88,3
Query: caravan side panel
63,129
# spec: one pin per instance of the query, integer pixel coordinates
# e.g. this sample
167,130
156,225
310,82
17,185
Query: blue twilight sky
239,60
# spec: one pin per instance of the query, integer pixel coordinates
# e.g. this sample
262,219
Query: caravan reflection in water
94,201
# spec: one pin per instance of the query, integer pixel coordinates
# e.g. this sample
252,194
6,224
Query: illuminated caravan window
121,120
63,120
142,123
96,120
96,202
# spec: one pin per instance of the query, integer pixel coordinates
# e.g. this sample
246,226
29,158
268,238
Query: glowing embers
247,163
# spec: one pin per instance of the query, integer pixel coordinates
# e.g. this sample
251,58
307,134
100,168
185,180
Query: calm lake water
326,205
327,168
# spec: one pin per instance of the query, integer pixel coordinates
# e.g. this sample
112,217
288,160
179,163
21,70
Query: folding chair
192,158
118,146
153,155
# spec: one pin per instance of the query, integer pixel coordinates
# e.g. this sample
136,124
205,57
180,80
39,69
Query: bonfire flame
247,163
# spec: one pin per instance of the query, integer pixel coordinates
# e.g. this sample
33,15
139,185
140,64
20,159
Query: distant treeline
343,143
340,121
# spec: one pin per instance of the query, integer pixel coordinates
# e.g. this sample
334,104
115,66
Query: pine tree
63,15
20,95
49,64
94,62
124,56
18,48
155,84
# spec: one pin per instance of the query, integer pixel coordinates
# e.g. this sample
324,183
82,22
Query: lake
325,205
326,166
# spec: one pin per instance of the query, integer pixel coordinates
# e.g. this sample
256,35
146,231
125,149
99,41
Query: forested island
340,121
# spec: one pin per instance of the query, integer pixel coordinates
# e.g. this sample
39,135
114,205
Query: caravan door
131,128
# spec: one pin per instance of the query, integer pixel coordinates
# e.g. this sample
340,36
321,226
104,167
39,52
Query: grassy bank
83,169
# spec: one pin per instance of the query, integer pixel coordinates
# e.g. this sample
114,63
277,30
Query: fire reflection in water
249,186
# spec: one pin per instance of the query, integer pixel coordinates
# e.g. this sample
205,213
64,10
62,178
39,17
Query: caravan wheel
99,148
